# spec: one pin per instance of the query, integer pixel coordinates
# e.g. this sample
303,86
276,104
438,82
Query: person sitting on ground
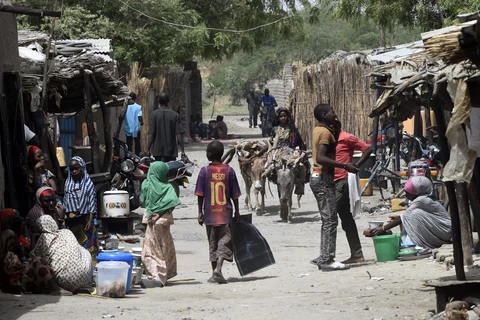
425,222
203,128
32,275
217,214
219,129
193,127
10,219
71,262
159,199
46,205
38,175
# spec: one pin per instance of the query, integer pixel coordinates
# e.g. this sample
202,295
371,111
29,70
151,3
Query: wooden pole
465,224
92,133
29,11
118,126
445,156
106,124
47,65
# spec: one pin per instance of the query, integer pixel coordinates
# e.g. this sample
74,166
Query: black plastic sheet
250,248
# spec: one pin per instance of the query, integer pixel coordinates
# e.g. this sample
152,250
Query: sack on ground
250,248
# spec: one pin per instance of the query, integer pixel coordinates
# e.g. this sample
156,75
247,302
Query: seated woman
219,129
426,222
33,275
287,135
38,175
71,262
46,205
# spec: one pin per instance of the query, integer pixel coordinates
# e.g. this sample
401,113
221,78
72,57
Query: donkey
252,173
283,166
252,161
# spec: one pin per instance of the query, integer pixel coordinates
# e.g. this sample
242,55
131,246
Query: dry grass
342,84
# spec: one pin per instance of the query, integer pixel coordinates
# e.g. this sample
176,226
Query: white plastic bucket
112,278
116,204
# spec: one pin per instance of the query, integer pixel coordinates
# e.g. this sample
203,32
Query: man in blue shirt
268,104
133,121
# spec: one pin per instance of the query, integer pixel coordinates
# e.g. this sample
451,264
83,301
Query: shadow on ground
15,306
248,279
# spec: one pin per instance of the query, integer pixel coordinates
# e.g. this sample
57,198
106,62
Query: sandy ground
292,288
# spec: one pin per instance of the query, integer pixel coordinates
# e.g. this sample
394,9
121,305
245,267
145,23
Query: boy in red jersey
216,187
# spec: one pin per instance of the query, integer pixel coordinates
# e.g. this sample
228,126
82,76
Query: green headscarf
158,195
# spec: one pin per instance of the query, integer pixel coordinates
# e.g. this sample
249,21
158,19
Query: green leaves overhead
426,14
141,30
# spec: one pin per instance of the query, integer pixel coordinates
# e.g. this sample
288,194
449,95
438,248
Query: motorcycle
127,171
178,172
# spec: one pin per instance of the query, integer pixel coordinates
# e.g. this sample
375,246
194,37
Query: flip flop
333,267
211,280
218,277
314,261
349,261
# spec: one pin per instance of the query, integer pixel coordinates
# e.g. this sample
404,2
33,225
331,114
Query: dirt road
291,289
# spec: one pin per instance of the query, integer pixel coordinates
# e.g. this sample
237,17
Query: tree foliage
388,14
251,70
137,37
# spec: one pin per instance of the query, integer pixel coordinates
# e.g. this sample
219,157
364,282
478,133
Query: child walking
216,187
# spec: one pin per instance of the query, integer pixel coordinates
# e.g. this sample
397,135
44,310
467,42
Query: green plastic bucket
386,247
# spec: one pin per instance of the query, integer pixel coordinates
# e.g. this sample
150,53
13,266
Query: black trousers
137,144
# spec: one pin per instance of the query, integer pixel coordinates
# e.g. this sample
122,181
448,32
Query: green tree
389,14
148,40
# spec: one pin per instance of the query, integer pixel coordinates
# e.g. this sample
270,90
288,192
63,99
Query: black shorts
220,242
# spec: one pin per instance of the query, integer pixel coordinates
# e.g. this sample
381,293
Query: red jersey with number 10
218,184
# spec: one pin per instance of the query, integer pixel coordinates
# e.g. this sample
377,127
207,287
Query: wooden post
397,147
118,126
92,134
445,156
106,124
465,226
428,124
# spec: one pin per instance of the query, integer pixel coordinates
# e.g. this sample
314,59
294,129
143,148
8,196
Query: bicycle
378,170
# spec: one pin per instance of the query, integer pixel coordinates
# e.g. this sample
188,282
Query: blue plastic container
119,256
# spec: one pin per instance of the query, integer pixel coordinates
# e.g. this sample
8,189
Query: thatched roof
411,81
65,81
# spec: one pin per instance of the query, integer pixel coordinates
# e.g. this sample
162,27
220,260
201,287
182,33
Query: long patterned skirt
158,253
87,239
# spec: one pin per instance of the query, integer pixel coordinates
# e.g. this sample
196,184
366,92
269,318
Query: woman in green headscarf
159,199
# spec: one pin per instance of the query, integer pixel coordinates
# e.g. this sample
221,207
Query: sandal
334,266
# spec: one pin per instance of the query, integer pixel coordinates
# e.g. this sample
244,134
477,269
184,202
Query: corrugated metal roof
103,45
398,53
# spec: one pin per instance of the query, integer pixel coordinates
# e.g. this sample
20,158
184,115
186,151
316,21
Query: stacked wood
342,84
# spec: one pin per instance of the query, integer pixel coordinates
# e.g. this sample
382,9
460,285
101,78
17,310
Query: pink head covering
418,186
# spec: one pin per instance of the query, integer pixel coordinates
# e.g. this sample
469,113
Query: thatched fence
184,88
344,85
